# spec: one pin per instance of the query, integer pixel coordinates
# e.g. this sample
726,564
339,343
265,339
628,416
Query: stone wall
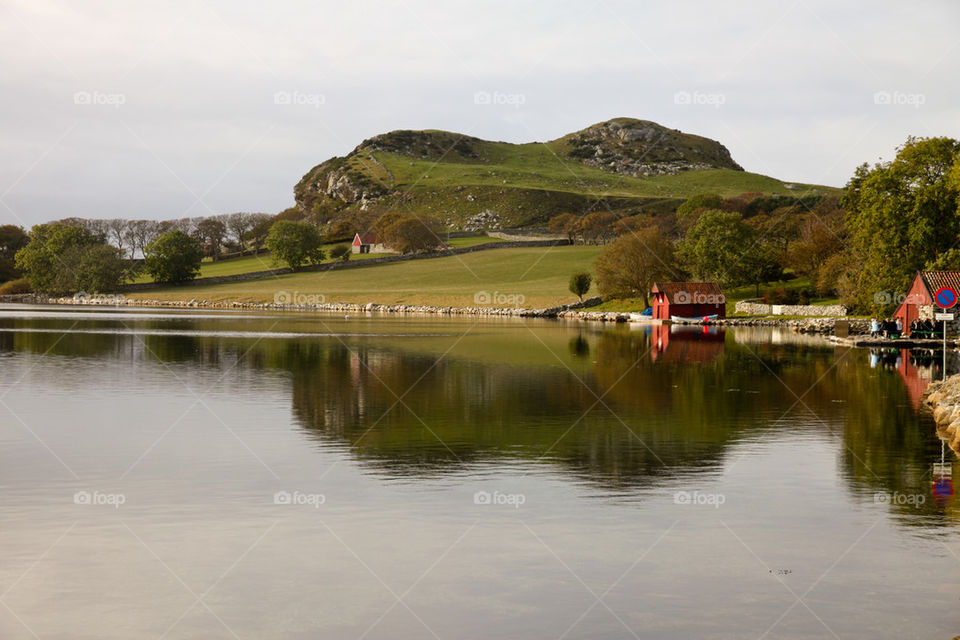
352,264
757,307
529,235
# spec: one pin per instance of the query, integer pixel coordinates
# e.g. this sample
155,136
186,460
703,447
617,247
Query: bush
580,284
341,252
779,295
14,287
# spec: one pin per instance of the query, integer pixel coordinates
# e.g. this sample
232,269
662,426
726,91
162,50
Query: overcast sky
187,108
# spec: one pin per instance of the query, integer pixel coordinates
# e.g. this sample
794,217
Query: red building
918,304
688,300
367,243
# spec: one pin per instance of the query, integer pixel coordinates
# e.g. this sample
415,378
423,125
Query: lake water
217,475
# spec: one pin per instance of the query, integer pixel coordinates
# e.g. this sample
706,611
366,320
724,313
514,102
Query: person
899,326
914,326
874,328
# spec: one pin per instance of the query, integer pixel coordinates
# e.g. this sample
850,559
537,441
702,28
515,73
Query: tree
564,223
173,256
717,246
629,267
580,284
406,233
95,268
260,224
211,232
760,263
902,214
596,227
65,258
239,224
341,252
295,243
118,229
699,202
142,232
12,239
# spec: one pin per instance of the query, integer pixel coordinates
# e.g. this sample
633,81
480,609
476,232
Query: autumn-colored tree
565,224
407,233
629,267
596,227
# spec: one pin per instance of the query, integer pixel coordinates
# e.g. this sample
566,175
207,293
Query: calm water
215,475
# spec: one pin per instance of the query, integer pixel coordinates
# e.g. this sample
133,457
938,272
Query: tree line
863,246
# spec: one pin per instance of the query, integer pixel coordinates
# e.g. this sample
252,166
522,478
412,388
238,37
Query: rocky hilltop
643,148
626,162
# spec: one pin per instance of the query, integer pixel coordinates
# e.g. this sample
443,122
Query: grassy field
264,261
529,277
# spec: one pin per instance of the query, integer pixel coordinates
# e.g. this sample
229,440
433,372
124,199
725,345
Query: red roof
690,288
366,238
934,280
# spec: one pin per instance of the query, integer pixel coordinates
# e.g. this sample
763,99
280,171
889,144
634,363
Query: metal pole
944,348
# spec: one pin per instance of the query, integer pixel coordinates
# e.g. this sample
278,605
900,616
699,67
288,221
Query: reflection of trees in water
681,411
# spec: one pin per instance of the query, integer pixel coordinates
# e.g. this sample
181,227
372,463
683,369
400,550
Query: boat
697,319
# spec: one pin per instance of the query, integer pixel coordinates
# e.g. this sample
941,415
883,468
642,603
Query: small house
693,300
918,304
367,243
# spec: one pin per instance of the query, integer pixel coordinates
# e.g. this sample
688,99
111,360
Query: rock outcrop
943,399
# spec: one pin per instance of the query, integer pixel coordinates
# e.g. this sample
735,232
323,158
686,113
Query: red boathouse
688,300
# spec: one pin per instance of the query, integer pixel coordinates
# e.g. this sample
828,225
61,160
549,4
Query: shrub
341,252
14,287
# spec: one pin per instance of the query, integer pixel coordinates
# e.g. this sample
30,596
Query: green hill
625,165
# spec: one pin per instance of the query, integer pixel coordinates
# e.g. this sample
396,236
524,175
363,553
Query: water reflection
622,409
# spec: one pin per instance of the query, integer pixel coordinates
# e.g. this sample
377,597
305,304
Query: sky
189,108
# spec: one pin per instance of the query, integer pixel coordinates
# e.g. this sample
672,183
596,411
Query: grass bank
525,277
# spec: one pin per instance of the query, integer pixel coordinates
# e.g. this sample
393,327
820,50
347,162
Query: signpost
945,298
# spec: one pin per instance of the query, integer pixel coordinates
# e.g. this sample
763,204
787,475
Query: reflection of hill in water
670,404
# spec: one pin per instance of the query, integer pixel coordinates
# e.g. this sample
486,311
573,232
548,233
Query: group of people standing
887,328
893,328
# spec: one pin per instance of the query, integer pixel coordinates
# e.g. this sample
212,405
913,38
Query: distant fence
353,264
757,307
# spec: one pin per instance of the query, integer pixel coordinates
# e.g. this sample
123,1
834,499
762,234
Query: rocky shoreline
943,399
574,311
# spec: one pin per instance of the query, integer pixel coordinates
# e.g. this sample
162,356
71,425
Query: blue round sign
945,297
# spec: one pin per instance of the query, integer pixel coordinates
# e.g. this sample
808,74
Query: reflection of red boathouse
686,344
915,378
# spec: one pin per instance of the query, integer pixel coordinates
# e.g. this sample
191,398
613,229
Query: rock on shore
943,398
